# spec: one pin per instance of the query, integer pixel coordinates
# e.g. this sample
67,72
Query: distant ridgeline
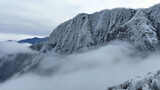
34,40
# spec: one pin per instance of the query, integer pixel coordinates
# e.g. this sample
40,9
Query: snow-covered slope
149,82
87,30
139,31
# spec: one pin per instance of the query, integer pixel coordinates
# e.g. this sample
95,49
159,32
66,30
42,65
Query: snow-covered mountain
139,27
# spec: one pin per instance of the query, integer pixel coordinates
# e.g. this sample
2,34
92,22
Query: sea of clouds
93,70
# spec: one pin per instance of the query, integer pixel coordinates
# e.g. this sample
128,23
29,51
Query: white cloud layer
94,70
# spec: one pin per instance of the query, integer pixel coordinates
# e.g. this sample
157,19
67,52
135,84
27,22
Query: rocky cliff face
139,27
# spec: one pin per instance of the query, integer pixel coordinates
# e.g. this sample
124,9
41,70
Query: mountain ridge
34,40
98,29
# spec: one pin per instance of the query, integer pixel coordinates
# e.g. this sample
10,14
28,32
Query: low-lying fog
93,70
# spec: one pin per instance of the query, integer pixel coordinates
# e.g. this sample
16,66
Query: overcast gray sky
25,18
